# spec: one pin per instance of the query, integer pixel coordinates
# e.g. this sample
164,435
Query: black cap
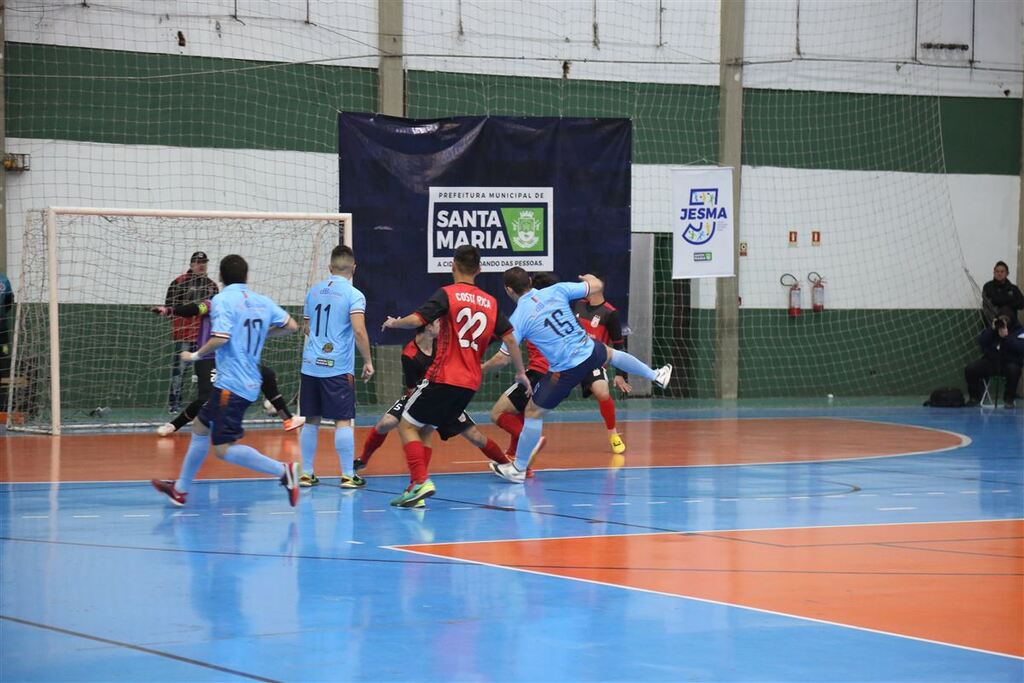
199,256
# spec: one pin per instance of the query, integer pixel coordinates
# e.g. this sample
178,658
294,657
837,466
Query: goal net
89,353
900,156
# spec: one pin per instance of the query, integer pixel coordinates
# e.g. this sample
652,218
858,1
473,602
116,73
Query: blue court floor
103,581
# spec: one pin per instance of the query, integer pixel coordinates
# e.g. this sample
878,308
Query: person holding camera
1002,346
1000,293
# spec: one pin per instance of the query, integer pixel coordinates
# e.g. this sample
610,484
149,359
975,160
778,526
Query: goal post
88,354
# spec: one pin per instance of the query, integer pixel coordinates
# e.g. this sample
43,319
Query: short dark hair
342,257
467,259
233,270
542,280
1003,264
517,279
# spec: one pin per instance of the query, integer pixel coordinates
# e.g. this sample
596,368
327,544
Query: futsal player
241,321
600,320
545,317
469,319
335,324
417,356
205,369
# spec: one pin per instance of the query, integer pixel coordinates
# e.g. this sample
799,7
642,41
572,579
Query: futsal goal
88,353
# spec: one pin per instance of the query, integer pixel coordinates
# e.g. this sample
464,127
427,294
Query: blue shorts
330,397
555,386
223,413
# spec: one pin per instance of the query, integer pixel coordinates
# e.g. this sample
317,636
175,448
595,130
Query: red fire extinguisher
817,292
795,303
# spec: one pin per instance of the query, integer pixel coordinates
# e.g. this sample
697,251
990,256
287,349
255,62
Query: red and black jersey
601,322
414,364
188,288
535,359
469,319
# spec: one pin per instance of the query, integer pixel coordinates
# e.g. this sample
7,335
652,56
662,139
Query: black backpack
946,397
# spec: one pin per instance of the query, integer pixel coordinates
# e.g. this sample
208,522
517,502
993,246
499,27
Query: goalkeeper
206,371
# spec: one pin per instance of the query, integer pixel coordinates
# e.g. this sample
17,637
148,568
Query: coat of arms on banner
526,228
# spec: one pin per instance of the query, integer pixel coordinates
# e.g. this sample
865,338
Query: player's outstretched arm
409,322
517,360
288,328
210,346
595,284
499,360
358,321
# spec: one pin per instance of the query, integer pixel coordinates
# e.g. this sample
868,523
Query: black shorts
396,410
517,394
206,373
223,414
442,406
555,386
595,375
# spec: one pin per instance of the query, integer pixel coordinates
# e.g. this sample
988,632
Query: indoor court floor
730,544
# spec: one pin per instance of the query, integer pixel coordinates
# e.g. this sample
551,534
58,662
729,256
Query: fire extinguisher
795,303
817,291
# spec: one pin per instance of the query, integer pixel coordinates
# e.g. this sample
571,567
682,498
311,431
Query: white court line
328,512
355,542
374,510
1000,490
657,502
968,492
764,499
85,516
185,514
35,516
887,509
461,508
135,515
902,494
286,512
799,497
618,503
582,505
234,514
705,600
537,507
935,493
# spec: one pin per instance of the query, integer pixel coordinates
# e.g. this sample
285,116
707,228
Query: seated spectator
999,293
1002,346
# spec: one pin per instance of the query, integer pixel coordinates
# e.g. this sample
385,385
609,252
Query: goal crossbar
50,215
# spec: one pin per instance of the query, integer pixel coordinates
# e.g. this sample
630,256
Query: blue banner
542,193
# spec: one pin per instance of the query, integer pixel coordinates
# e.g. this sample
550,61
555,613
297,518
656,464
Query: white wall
844,45
889,240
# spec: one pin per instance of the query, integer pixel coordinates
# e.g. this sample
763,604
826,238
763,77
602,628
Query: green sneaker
353,482
307,480
416,493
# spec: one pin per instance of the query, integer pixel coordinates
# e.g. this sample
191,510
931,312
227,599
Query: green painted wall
140,98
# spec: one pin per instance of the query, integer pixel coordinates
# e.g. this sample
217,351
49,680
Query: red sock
416,459
513,424
493,451
372,443
427,452
607,407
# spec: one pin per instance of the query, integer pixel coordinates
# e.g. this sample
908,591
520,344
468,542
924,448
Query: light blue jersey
330,347
244,318
545,317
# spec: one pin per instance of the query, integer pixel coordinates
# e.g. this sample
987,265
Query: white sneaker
165,429
508,472
294,422
662,375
